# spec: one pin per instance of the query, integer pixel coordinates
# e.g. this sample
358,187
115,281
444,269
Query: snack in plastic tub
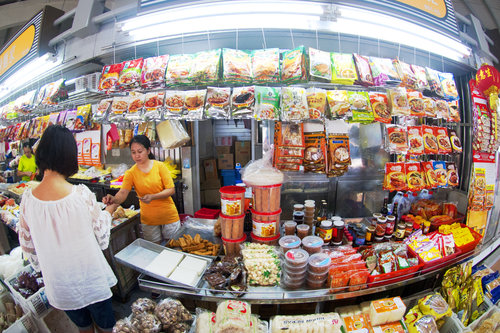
386,310
295,269
295,275
317,276
265,224
292,283
143,305
232,226
315,284
233,247
290,227
265,240
303,230
233,316
312,244
296,257
319,263
232,200
289,242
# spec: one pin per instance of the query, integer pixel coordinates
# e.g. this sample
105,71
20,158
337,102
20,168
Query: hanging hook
359,43
237,38
293,40
157,47
264,38
182,42
378,47
317,40
399,50
208,40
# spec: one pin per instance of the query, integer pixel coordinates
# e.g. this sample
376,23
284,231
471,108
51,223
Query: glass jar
381,226
370,234
325,231
408,228
400,232
389,227
338,232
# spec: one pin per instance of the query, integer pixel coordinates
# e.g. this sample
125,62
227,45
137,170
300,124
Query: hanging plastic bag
172,134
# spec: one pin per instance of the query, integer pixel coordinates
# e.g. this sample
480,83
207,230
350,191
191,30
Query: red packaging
452,174
153,72
414,176
363,68
130,76
395,177
397,139
109,77
454,112
430,141
430,175
380,107
455,141
415,140
444,144
416,102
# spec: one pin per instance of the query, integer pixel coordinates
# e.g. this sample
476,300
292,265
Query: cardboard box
210,167
225,161
223,150
210,197
210,184
242,152
224,141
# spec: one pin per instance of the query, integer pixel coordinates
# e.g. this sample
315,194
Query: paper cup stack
232,218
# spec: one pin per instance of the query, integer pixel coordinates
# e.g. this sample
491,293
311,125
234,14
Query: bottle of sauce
370,234
325,231
384,210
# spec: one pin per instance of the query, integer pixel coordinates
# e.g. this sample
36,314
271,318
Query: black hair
144,141
26,145
57,151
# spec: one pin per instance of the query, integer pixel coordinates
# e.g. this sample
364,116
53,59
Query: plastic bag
194,101
237,66
146,322
233,316
242,102
153,72
119,170
320,65
266,65
143,305
205,321
261,172
267,103
170,312
365,77
383,71
124,326
205,67
172,134
218,103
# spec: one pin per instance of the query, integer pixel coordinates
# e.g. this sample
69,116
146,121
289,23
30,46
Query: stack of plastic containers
266,214
295,268
232,218
317,270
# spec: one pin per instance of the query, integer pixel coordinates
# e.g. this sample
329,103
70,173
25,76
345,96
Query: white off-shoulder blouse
64,239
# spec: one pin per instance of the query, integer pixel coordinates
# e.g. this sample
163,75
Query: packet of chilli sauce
430,107
430,142
455,141
452,174
397,139
109,77
416,102
440,170
395,177
443,109
130,76
380,107
315,152
444,144
415,140
454,112
414,176
153,72
430,174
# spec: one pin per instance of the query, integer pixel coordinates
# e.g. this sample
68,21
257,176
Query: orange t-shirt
160,211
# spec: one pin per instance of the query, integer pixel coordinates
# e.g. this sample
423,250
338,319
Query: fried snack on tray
196,245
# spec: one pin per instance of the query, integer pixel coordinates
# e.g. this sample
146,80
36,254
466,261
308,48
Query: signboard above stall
30,42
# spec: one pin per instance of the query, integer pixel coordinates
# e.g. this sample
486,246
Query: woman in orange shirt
154,187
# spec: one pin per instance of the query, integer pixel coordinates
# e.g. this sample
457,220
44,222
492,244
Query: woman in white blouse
63,232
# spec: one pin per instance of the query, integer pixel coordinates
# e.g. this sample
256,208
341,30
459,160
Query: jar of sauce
370,234
338,232
389,227
400,232
325,231
381,226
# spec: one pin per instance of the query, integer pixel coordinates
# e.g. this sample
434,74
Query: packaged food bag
398,100
266,65
267,103
194,101
130,75
408,78
205,67
449,87
320,65
237,66
153,72
364,71
293,65
360,107
218,103
338,102
316,102
294,104
109,77
380,107
179,69
344,70
383,71
174,103
135,108
243,102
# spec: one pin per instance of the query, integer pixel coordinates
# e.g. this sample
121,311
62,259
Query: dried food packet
338,101
344,70
380,107
430,141
102,110
316,102
243,102
267,103
430,107
450,92
452,174
294,104
408,78
421,76
396,139
444,144
205,67
237,66
266,65
119,107
153,104
398,100
455,141
360,107
289,134
415,140
338,154
195,104
383,71
55,92
320,65
217,104
434,82
443,109
109,77
315,152
454,112
130,75
363,69
430,175
414,176
174,104
293,65
136,106
440,171
82,117
153,72
178,69
395,177
416,102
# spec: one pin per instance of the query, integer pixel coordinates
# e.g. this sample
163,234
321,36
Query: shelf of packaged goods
278,295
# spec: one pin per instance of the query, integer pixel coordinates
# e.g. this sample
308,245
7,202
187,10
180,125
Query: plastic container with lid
265,240
311,202
232,226
317,276
312,244
233,247
232,199
298,216
290,227
298,207
289,283
296,275
295,269
289,242
266,198
315,284
265,224
319,263
303,230
296,257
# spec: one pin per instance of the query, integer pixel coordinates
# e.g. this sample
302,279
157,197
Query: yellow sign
17,49
434,7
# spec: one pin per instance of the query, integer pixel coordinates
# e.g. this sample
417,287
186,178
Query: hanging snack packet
421,77
153,104
178,69
55,92
316,102
489,197
380,107
395,177
205,67
82,117
237,66
242,102
364,71
440,170
452,174
416,102
315,152
69,122
339,154
344,70
153,72
444,144
102,110
136,106
383,71
415,140
130,76
293,65
174,104
430,141
434,82
414,176
266,65
408,78
289,134
217,105
396,139
430,107
455,141
294,104
119,108
109,78
430,175
398,100
338,101
454,112
443,109
267,103
360,107
320,65
449,88
194,101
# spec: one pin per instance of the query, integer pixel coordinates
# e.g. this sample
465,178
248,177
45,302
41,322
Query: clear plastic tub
296,276
296,257
266,198
289,242
288,283
315,284
303,230
233,247
232,226
266,240
319,263
312,244
290,227
232,199
317,277
295,269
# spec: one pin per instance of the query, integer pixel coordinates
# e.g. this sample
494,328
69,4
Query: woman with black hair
62,231
155,187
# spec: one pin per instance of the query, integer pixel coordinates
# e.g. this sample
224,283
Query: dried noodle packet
338,101
217,104
266,65
294,104
320,65
195,103
243,102
344,70
267,103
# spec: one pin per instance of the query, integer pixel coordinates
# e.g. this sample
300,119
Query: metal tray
204,227
140,253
